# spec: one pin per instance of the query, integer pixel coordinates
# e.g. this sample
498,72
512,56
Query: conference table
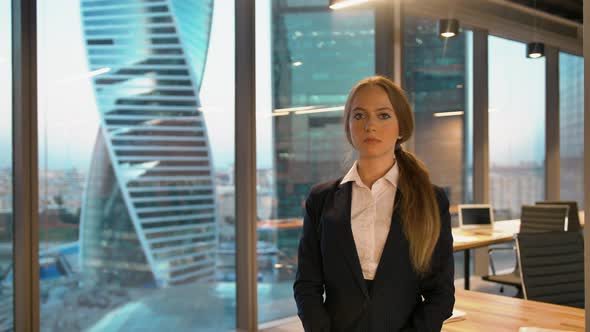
486,312
489,312
465,239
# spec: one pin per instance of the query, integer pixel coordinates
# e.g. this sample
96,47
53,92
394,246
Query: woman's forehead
374,96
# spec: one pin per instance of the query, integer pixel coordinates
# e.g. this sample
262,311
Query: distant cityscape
59,224
61,191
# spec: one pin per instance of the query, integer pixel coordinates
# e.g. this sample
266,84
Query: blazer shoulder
322,188
440,193
442,199
443,206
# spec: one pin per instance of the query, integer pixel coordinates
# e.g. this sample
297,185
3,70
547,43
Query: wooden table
467,239
487,312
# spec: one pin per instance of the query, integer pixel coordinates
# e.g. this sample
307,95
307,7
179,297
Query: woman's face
374,127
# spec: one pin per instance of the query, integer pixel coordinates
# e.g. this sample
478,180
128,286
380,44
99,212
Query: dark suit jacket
328,261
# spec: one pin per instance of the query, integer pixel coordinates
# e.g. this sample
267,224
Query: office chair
543,218
573,218
552,267
534,219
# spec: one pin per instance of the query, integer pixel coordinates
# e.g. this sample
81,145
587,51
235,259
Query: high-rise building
317,56
571,123
435,80
148,213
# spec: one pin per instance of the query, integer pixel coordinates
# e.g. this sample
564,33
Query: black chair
573,218
534,219
552,267
543,218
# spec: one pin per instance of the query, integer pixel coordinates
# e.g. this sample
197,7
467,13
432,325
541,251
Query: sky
517,103
5,85
68,117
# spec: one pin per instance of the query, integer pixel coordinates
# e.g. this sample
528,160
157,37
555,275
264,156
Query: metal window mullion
25,180
481,158
398,52
245,170
552,145
389,45
398,43
384,38
586,47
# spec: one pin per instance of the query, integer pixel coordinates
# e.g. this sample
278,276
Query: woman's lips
372,140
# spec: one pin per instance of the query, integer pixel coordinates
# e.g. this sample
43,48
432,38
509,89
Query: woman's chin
371,154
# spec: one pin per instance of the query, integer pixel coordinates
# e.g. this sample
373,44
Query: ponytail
419,210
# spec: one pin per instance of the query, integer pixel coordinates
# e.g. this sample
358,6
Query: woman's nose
370,125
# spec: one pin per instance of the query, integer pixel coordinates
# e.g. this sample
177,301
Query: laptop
476,216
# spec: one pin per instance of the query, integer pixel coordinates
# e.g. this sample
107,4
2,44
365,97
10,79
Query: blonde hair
419,207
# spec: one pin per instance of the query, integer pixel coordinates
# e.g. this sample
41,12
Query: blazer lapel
342,203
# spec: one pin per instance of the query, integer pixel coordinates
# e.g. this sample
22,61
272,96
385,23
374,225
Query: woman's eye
358,116
385,116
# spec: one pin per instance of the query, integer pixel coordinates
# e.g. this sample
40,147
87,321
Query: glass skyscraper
571,127
148,213
317,57
436,83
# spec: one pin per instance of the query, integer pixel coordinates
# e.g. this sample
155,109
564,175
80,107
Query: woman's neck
372,169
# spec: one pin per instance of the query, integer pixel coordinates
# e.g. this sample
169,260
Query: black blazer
328,261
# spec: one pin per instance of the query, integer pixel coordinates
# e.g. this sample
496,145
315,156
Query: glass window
438,81
437,74
308,57
136,190
6,221
516,127
571,127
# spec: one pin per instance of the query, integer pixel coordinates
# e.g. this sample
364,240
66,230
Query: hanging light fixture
340,4
535,50
448,28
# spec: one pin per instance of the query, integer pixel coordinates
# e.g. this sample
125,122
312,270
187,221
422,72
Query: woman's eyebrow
382,108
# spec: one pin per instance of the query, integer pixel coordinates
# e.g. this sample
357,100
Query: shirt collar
392,175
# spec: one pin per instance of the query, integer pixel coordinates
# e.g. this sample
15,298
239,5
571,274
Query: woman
377,241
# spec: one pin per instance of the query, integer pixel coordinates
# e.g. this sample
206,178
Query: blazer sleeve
309,280
437,288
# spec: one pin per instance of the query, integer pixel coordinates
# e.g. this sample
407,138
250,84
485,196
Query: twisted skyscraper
148,216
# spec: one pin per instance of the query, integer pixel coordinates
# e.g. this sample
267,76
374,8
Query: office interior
155,155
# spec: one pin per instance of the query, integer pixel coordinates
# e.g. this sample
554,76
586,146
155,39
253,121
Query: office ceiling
568,9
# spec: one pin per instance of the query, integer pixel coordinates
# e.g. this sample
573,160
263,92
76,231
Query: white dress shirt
370,215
